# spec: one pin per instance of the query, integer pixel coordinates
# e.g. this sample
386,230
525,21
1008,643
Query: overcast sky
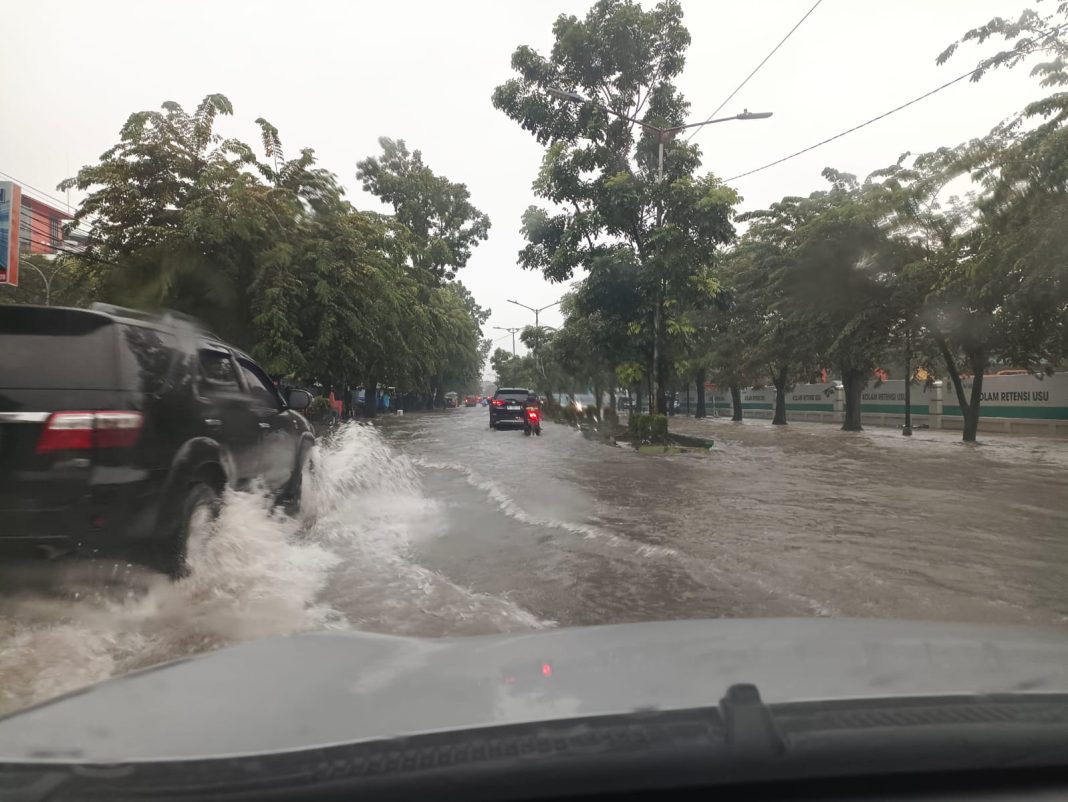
337,75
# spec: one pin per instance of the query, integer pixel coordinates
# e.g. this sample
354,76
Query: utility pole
665,134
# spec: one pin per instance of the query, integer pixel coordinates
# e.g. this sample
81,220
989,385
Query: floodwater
434,525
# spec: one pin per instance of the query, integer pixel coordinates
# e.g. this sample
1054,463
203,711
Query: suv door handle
212,422
264,425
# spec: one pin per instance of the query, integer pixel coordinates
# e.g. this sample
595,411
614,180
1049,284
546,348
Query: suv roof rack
150,317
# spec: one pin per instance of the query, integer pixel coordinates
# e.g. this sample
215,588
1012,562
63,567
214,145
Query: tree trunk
656,390
662,396
637,408
779,380
978,363
969,408
439,397
612,396
700,382
370,396
854,382
736,403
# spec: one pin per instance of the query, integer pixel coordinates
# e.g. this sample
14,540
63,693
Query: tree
841,277
62,281
781,341
993,265
271,256
443,222
513,371
599,172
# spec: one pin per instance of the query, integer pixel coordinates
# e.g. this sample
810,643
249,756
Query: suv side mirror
298,399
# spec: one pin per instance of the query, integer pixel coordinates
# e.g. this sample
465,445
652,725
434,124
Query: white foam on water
370,508
509,507
345,561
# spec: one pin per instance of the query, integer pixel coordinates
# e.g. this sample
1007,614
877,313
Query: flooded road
434,525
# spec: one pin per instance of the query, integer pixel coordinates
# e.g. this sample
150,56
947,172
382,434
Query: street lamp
537,311
46,279
511,331
664,134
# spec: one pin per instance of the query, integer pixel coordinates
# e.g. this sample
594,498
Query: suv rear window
512,395
53,349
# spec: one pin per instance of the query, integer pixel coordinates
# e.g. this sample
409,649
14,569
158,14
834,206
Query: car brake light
497,402
82,431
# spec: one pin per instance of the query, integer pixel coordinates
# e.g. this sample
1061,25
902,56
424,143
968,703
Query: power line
42,232
35,189
756,69
885,114
79,254
823,142
80,227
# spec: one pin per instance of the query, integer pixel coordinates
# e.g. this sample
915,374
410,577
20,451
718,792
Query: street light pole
664,135
537,327
511,331
46,279
537,311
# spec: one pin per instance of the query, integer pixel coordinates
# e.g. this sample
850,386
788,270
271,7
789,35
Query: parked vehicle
119,432
508,406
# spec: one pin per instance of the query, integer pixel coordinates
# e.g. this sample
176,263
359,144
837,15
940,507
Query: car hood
321,689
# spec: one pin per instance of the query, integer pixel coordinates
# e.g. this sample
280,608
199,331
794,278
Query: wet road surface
431,524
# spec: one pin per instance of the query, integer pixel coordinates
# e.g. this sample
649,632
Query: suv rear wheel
195,525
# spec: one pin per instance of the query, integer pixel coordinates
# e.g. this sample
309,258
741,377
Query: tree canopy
271,256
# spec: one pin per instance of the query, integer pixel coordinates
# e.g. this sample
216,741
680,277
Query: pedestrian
335,406
385,400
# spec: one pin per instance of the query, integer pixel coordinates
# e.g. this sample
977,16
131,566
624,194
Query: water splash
345,561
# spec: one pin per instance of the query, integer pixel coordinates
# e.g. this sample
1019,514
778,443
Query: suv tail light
497,402
82,431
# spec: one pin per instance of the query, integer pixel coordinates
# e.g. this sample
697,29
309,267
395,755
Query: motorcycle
532,421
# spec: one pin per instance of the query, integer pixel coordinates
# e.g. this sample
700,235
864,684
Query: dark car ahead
117,429
507,406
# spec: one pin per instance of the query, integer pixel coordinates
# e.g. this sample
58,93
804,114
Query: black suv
508,406
117,428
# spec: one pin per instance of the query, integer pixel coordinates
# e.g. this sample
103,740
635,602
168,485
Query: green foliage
443,222
640,427
658,428
69,283
320,408
648,428
608,210
514,371
271,256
